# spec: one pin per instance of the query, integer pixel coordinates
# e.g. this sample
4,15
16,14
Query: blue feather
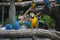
47,2
57,0
16,25
8,26
28,23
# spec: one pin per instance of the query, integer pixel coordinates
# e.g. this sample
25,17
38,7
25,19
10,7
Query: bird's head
32,15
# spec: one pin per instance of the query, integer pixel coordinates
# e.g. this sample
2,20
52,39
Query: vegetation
48,20
7,20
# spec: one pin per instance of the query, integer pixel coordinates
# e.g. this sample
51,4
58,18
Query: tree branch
28,33
25,3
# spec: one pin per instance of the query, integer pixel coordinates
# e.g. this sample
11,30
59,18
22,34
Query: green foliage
0,22
48,20
17,17
6,21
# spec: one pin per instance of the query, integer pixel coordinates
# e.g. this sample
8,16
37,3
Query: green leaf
48,20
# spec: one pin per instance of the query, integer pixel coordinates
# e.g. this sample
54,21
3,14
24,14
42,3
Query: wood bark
12,12
29,33
24,3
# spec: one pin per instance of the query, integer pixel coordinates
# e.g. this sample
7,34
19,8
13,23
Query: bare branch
28,33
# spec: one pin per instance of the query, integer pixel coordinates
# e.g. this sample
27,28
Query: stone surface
29,39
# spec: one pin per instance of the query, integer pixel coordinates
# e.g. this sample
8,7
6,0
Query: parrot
8,26
33,5
16,25
27,23
33,20
20,0
58,1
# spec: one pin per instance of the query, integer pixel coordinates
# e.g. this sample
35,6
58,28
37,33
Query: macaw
47,3
15,26
27,23
8,26
20,0
33,20
57,1
33,5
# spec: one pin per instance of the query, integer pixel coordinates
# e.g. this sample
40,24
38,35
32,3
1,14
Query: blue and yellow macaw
33,5
33,20
18,1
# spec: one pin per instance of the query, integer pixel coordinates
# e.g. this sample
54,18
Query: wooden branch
12,12
36,10
29,33
38,13
24,3
27,11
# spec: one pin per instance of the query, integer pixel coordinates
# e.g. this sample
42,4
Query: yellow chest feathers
34,22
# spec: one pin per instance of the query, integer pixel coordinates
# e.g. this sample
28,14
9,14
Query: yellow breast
34,22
